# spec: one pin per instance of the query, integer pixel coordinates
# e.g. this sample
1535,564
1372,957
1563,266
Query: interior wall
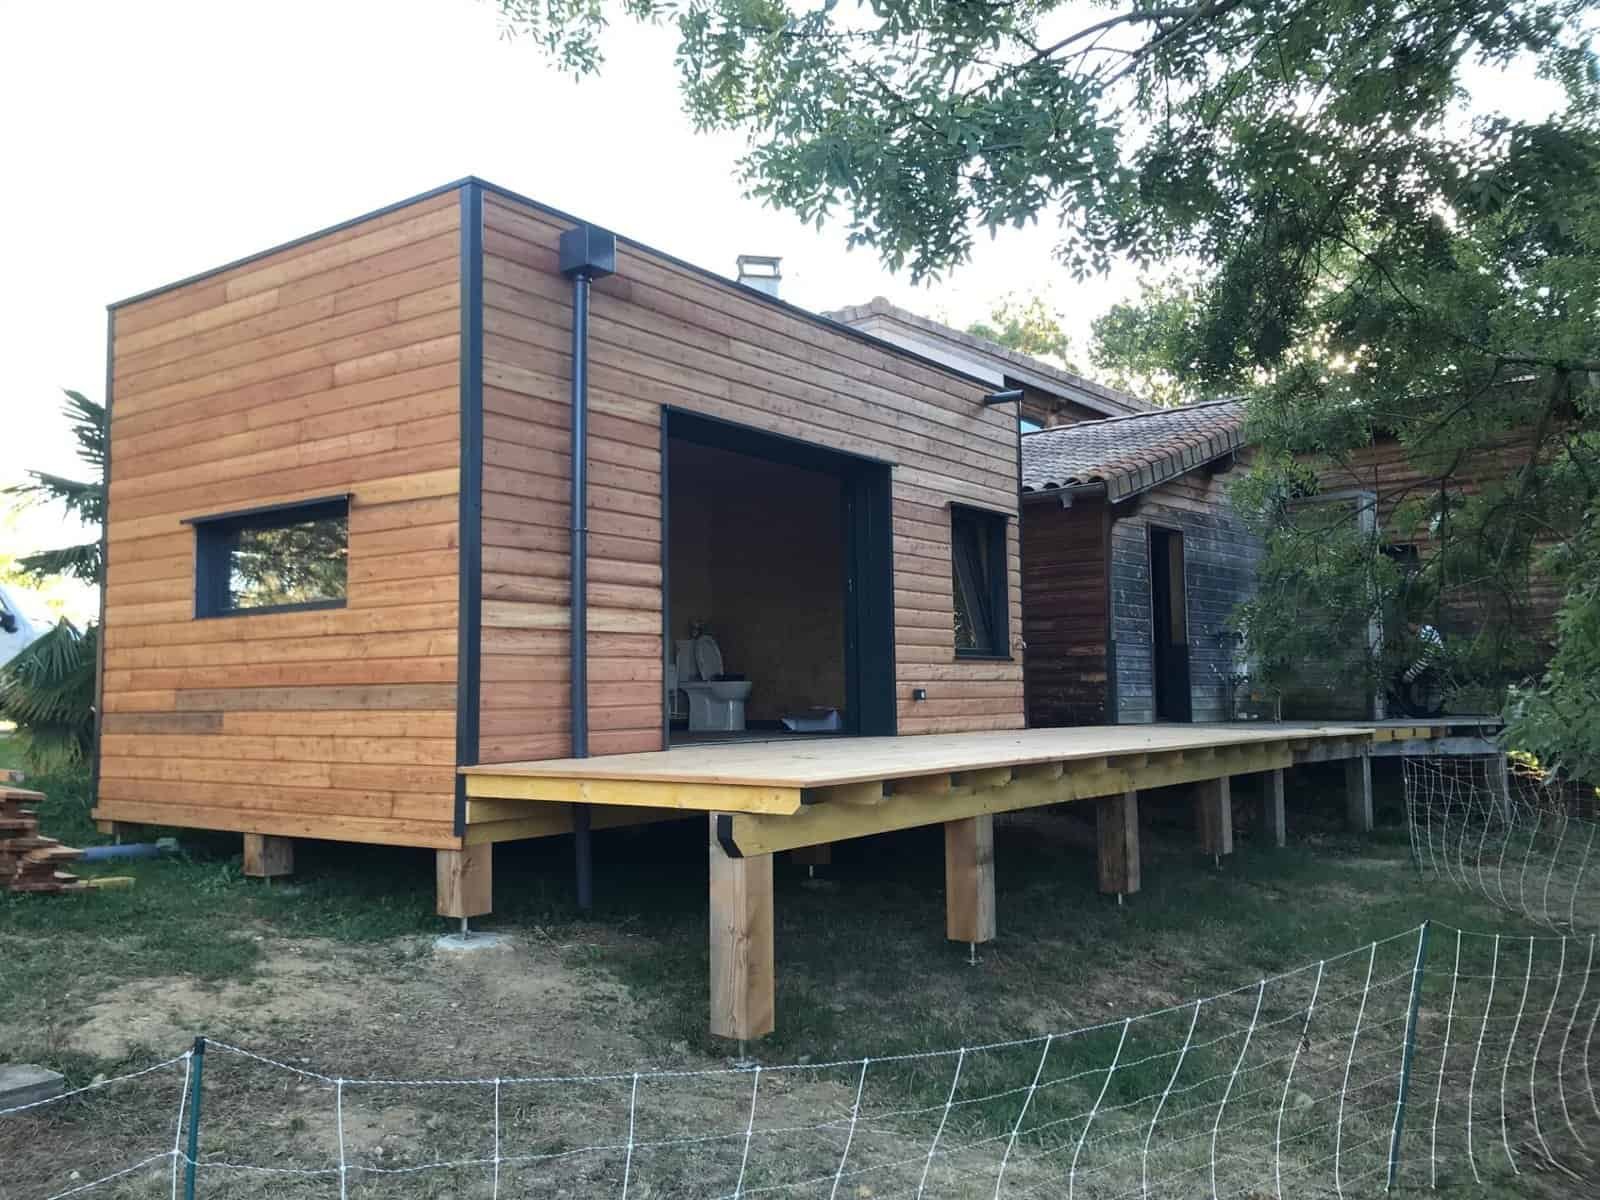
756,554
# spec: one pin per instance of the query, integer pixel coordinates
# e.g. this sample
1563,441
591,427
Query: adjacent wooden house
1133,561
1371,483
342,530
1051,396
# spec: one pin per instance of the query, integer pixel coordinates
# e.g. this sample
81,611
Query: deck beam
743,981
483,784
512,820
757,833
969,879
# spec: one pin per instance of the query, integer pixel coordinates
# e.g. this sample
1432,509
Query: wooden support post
969,879
267,857
1358,793
814,856
1500,772
743,1005
1273,822
1118,821
1213,804
465,881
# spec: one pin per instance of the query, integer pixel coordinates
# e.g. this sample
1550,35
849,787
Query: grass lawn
336,970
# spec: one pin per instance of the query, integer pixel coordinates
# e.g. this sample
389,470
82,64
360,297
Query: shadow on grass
863,965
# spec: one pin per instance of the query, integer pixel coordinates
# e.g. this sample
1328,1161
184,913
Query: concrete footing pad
24,1083
454,943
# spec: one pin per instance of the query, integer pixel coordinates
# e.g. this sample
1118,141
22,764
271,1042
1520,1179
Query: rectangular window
283,558
978,570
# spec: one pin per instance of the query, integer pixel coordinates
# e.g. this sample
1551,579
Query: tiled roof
1133,453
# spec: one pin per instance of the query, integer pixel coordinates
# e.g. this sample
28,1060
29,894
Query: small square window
285,558
978,571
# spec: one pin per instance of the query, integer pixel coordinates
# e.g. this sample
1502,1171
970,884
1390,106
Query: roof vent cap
761,271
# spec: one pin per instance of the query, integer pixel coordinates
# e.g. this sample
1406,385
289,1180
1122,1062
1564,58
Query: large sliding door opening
778,587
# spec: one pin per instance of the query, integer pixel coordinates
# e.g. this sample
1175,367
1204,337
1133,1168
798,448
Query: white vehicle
16,630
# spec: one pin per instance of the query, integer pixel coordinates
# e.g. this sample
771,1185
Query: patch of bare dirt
402,1008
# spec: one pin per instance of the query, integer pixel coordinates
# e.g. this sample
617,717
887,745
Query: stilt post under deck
1501,772
1118,820
1273,821
969,879
1213,804
268,857
819,855
743,984
465,881
1358,793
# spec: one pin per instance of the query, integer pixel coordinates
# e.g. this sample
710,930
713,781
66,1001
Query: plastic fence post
192,1162
1408,1054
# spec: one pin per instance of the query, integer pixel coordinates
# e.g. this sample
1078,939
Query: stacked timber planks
30,862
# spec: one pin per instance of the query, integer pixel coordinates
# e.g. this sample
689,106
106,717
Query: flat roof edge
793,309
255,256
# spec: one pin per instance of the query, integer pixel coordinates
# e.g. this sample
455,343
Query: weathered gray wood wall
1220,557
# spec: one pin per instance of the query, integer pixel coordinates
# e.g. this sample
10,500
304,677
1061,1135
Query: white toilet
715,705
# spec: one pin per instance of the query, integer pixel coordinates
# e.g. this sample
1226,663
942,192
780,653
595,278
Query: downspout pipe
587,253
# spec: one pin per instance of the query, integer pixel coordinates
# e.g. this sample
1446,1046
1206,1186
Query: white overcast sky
145,142
150,141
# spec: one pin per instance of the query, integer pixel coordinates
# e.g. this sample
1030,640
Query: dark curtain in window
974,585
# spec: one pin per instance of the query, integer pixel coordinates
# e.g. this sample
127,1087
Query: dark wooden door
1169,611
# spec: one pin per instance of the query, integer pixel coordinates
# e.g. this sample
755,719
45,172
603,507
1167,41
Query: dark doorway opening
782,552
1169,611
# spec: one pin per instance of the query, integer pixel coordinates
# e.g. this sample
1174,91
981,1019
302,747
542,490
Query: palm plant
85,499
48,689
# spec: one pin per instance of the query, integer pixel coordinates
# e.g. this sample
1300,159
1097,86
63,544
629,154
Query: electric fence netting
1431,1059
1522,839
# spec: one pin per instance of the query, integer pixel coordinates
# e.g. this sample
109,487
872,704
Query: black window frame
993,592
216,536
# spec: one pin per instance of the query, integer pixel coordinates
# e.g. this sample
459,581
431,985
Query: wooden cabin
340,531
1133,561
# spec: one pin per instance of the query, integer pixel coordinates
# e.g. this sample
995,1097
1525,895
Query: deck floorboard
816,763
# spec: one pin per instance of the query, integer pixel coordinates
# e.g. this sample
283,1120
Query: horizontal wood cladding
1065,612
1384,469
1219,570
663,335
331,366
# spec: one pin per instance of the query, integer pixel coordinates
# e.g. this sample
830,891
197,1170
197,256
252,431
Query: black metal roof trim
495,189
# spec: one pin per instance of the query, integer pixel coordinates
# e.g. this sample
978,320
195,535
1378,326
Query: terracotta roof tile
1130,454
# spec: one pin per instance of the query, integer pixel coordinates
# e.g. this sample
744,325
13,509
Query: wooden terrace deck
767,796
